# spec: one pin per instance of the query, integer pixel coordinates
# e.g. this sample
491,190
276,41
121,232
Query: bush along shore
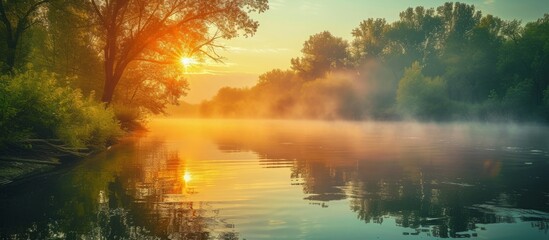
45,124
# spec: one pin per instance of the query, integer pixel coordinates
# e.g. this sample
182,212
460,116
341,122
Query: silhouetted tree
321,53
369,39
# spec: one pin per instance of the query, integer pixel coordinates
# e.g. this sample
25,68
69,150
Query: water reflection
441,181
132,192
296,180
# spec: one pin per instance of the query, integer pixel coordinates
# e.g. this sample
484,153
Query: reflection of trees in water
156,196
171,220
114,220
121,200
431,189
443,208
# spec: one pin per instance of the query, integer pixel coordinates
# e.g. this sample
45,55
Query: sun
187,177
187,61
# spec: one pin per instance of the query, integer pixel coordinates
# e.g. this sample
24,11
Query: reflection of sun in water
187,61
187,177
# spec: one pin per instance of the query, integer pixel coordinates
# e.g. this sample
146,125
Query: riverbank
35,157
14,171
45,122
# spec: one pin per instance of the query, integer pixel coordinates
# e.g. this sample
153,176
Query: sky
289,23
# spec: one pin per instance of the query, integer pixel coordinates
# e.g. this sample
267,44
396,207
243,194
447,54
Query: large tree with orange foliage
133,30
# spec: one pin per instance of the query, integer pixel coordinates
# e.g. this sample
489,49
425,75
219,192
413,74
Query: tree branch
34,7
96,10
155,61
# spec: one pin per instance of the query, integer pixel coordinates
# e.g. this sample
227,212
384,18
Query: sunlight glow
187,177
187,61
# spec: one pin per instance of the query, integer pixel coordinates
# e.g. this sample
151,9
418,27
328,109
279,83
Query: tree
534,47
420,96
149,87
369,39
277,90
68,46
518,101
459,55
277,80
17,16
321,53
130,28
414,37
470,63
458,19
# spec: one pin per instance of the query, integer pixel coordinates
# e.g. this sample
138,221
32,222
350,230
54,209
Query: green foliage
472,67
16,18
369,39
321,53
66,48
422,97
491,109
546,97
518,98
528,58
545,107
131,118
34,105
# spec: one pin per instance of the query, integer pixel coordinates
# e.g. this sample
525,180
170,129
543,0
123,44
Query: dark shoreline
15,172
39,173
35,166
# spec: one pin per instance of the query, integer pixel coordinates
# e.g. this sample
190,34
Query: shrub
518,101
422,97
131,118
34,105
545,106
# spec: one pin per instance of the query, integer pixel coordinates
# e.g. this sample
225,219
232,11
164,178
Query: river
276,179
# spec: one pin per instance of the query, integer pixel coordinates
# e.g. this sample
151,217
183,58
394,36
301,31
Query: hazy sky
288,23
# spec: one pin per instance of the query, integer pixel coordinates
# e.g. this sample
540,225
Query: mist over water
282,179
361,94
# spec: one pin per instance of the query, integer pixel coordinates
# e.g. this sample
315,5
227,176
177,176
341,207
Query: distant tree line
445,63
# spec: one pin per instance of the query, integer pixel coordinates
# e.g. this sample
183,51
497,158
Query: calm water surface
245,179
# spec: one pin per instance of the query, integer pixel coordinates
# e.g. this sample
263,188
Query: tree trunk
11,52
108,91
108,87
112,77
10,57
